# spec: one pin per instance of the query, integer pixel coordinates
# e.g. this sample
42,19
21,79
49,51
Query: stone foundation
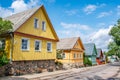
72,65
28,67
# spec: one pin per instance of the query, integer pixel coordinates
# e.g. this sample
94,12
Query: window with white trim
36,23
74,55
43,26
25,44
49,46
80,55
63,55
37,45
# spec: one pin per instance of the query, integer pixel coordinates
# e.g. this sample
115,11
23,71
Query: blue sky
91,20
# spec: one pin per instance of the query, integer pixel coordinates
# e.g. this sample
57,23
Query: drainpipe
11,46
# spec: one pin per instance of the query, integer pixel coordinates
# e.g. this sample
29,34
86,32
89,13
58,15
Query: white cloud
5,12
73,26
101,37
71,12
90,8
18,6
118,10
103,14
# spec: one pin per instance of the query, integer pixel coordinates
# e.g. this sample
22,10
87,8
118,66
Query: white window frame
28,44
36,23
74,55
64,55
51,47
39,45
44,27
80,55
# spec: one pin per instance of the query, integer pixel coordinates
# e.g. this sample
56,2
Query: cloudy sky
89,19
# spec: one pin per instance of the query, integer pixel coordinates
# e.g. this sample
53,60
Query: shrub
3,57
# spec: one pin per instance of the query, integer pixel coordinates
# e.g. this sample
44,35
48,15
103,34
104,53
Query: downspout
11,46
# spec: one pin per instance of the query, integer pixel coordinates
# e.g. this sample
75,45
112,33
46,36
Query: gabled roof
19,18
99,52
89,48
67,43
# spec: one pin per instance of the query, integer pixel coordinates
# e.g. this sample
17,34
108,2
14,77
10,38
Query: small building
32,43
72,51
91,52
100,56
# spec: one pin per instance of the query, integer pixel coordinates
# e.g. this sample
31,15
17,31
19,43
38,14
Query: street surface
102,72
106,72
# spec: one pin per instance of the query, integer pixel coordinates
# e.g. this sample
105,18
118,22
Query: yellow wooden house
33,41
72,51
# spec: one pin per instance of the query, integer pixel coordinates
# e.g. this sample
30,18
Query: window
74,55
35,23
49,46
25,44
63,55
43,26
37,45
2,43
80,55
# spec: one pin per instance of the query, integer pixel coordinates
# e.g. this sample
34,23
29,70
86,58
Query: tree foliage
3,57
114,47
59,54
5,26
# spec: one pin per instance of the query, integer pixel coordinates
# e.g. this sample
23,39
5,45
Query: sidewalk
47,74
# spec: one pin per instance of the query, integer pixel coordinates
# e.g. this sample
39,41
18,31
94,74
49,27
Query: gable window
43,26
37,45
2,43
35,23
25,44
49,47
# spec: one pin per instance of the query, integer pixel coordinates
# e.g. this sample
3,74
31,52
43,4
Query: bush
3,57
59,65
86,61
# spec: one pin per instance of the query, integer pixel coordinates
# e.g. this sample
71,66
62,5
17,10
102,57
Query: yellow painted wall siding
7,47
18,54
28,26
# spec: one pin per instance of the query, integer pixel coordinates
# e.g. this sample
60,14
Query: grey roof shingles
89,47
67,43
19,18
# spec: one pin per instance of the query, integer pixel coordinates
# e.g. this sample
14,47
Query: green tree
59,54
114,47
5,26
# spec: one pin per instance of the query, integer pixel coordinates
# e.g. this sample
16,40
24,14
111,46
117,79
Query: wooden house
91,52
99,58
72,51
33,41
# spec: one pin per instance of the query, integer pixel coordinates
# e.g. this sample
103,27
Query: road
105,72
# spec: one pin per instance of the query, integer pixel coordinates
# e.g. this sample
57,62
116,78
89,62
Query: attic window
43,26
35,23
